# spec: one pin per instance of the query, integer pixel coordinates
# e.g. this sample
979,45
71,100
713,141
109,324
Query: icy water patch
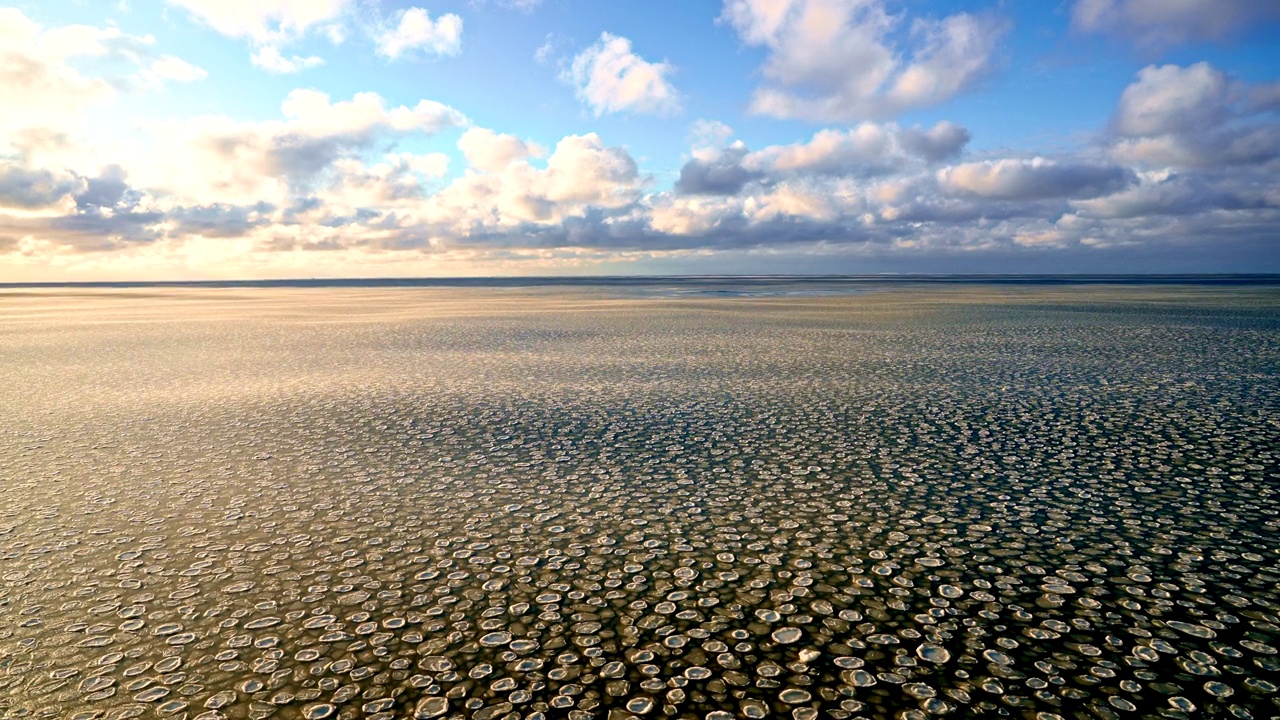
461,502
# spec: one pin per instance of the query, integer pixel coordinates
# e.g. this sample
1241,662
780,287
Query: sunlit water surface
572,502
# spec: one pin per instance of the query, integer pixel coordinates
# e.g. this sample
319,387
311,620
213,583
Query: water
758,498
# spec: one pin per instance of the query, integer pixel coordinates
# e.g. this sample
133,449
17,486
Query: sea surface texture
676,499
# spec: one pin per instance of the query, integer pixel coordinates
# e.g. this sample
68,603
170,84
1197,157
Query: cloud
416,31
942,141
685,215
55,80
709,133
865,150
1032,179
716,172
1194,116
609,78
263,21
212,159
35,188
109,190
169,67
269,58
839,60
311,112
1189,157
489,151
1165,193
217,220
582,176
366,190
47,86
1169,22
1173,99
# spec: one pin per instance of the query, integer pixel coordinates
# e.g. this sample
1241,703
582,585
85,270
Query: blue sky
284,138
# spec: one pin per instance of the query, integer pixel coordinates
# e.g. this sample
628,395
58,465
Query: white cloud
709,133
835,60
869,149
1194,116
1167,22
48,87
610,78
581,174
489,151
415,30
1169,98
41,89
1032,179
264,21
269,58
396,182
543,54
173,68
311,112
1190,156
212,159
794,200
692,215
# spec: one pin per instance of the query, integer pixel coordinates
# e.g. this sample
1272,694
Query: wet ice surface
390,503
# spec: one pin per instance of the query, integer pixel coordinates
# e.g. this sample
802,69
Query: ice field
601,502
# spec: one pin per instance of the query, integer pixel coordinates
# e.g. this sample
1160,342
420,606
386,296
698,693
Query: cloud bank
1184,165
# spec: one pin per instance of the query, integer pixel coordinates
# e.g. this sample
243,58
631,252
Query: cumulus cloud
835,60
1190,156
365,191
212,159
109,190
1032,179
264,21
609,78
54,80
1194,116
581,175
24,188
269,58
1163,193
716,171
867,150
942,141
489,151
311,112
1167,22
46,85
415,31
1172,99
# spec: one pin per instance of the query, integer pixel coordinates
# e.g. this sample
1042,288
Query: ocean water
691,498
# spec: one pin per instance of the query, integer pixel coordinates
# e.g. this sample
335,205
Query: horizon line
1008,278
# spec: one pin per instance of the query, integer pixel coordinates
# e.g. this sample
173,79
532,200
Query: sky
224,139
